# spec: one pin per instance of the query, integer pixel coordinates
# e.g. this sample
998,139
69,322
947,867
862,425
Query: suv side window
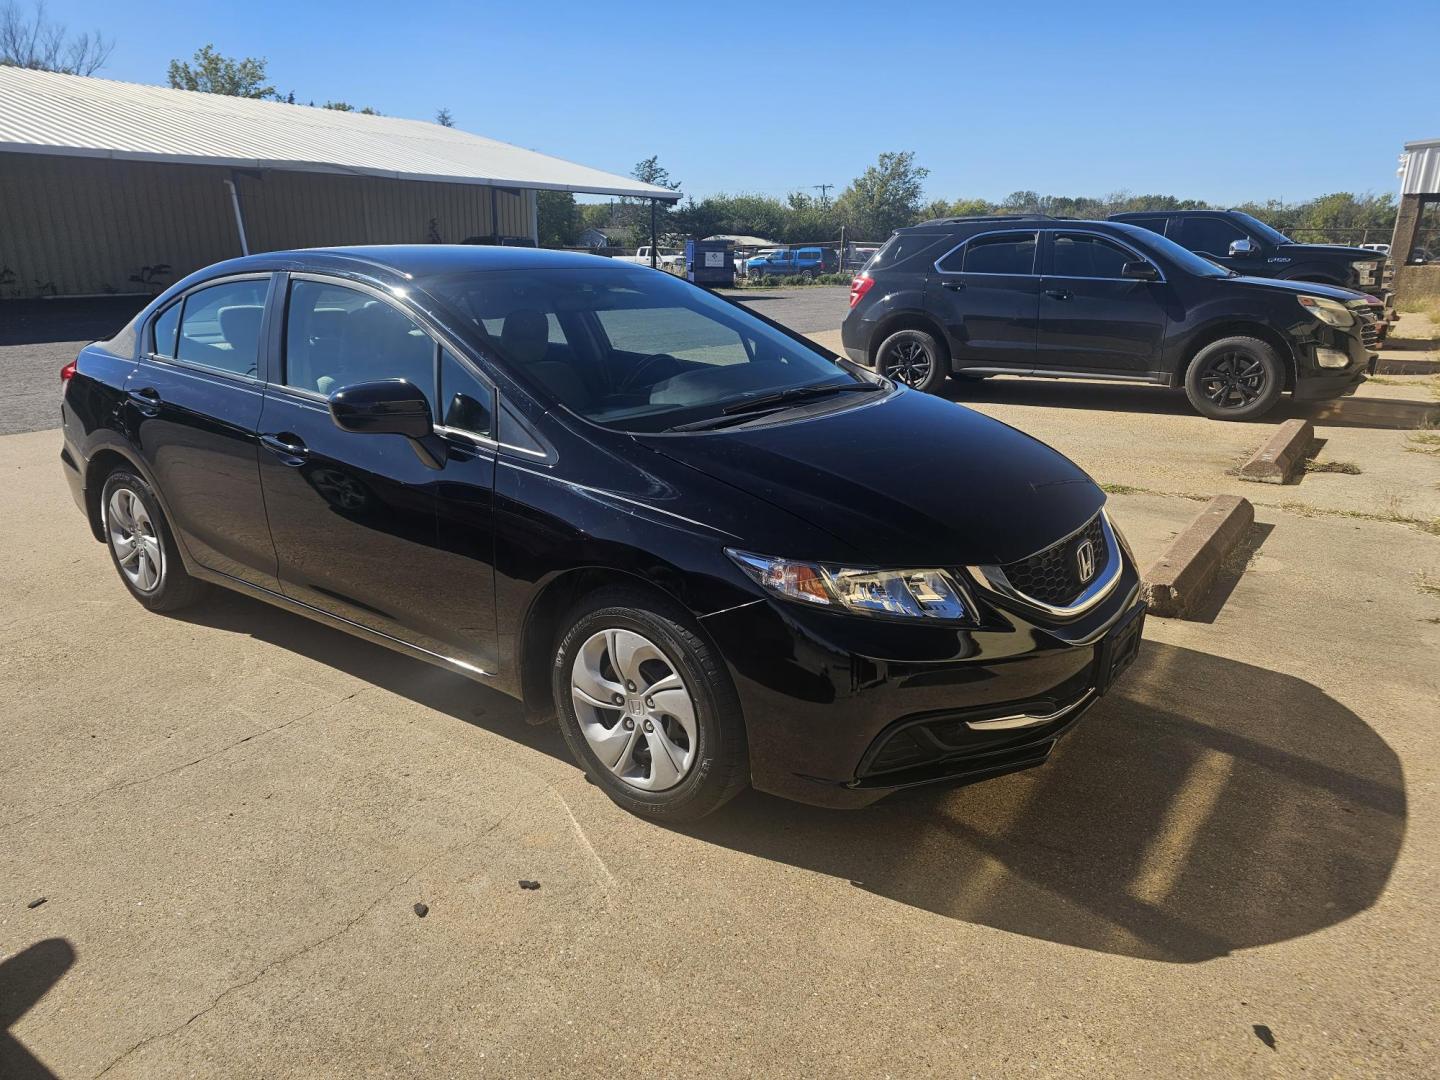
1209,235
336,336
1003,253
220,327
1154,224
1087,256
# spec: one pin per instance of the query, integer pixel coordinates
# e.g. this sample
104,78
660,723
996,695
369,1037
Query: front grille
1053,575
1369,326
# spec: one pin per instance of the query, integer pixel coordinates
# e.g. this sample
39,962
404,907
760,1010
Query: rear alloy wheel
141,545
1235,378
647,707
914,358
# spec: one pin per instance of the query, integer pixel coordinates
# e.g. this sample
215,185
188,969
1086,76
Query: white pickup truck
665,258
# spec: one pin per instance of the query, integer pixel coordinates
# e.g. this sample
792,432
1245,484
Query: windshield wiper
796,393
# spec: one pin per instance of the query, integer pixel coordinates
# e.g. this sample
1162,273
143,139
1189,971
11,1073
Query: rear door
986,291
1093,320
357,518
193,403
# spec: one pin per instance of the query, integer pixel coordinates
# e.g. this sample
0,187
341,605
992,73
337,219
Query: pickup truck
802,263
1248,246
665,258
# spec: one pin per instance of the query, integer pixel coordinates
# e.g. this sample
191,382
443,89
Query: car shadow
1386,413
1204,806
25,978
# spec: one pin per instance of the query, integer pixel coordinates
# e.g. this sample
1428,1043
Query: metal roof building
119,187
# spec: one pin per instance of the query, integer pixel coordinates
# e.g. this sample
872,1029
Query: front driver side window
337,336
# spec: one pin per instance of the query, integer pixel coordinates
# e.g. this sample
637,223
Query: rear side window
1154,224
166,324
1006,253
901,247
1088,256
220,327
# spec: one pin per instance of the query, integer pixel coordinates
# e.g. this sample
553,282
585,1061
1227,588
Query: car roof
415,260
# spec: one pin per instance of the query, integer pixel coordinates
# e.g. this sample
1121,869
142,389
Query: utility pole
824,190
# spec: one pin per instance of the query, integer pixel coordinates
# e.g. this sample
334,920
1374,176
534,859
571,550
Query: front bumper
841,710
1314,383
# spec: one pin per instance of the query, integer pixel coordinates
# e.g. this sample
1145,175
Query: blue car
803,263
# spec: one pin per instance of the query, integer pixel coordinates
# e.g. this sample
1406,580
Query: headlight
1366,266
1327,311
918,594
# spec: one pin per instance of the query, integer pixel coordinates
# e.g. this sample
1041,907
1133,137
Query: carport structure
111,187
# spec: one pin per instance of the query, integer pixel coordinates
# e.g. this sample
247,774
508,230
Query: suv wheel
806,277
647,708
914,358
1235,378
142,547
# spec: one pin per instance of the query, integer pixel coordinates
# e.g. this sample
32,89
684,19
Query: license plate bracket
1119,649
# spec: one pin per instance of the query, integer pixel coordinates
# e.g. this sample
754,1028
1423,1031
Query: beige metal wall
71,225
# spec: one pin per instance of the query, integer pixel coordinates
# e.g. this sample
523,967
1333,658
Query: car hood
909,480
1301,288
1331,251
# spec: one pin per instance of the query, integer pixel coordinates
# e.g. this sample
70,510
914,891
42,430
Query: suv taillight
859,287
67,372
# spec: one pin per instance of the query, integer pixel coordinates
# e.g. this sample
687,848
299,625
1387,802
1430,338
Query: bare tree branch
32,40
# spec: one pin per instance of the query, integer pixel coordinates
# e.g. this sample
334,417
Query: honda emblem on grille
1085,561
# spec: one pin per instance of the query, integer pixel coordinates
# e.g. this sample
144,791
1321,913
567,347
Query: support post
653,241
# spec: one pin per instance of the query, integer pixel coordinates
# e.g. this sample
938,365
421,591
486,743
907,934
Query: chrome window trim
994,579
1024,720
1034,233
190,367
1054,233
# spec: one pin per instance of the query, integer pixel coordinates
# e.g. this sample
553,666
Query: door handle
288,447
147,399
957,286
1059,294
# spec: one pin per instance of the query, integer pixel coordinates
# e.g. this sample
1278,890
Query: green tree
345,106
443,118
883,198
211,73
558,219
33,41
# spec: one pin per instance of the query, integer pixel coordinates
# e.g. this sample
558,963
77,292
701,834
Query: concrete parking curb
1178,582
1281,457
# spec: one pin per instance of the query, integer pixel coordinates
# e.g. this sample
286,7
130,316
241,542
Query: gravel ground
804,310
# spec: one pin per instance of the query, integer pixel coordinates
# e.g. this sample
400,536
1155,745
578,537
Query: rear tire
647,707
1235,378
915,358
142,546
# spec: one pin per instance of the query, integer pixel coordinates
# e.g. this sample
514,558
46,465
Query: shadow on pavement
25,978
36,322
1206,805
1387,413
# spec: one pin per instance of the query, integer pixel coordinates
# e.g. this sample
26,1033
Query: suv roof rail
986,217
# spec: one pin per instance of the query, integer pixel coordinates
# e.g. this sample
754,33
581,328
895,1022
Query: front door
356,517
193,405
1094,320
986,292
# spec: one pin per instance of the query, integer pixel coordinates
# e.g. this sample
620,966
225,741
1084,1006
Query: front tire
914,358
1235,378
142,546
647,707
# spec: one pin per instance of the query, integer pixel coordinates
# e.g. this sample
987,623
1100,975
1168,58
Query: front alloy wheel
647,706
1235,378
634,709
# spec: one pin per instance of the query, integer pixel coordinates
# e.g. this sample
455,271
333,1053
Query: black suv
1248,246
1050,297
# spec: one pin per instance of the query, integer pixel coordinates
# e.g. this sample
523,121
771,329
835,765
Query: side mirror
1139,270
387,407
1241,247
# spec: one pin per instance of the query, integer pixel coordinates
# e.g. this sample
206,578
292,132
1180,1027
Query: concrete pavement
231,815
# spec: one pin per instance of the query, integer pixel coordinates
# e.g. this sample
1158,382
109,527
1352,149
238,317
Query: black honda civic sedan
720,554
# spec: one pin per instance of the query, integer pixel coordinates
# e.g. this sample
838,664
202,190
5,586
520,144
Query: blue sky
1231,102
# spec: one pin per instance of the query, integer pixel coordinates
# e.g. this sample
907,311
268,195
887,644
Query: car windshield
636,350
1274,236
1183,258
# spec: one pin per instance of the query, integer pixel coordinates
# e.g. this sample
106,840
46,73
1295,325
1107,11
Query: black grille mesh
1053,575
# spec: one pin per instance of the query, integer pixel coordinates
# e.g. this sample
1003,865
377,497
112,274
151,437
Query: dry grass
1349,468
1427,584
